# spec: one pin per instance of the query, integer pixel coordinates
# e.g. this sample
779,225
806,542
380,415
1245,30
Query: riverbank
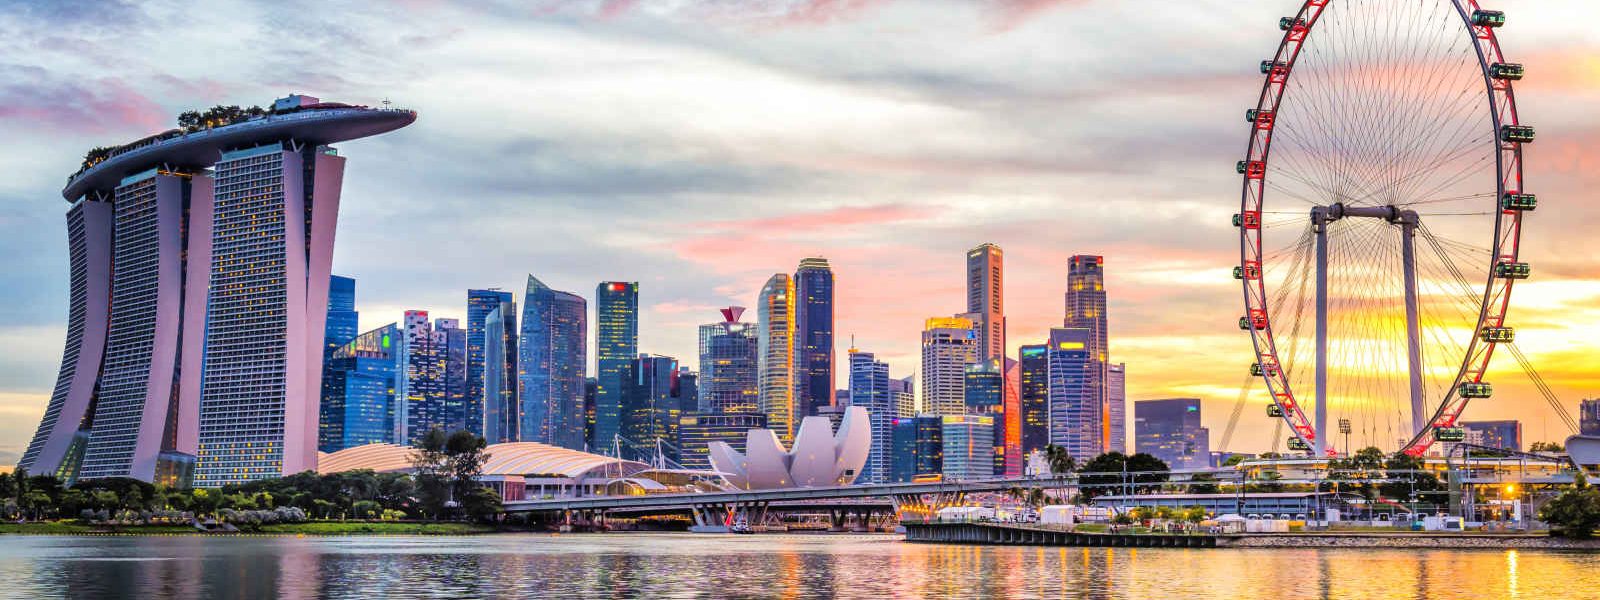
1019,535
307,528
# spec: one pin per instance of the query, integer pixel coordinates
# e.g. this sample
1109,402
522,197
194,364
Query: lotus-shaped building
819,457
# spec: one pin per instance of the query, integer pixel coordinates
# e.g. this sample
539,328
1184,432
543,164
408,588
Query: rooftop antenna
386,103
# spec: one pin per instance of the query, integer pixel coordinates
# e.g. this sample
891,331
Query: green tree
1105,474
1204,483
481,504
1407,477
1552,447
1234,459
1575,512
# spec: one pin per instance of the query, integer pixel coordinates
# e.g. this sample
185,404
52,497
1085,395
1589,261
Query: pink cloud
97,106
1013,13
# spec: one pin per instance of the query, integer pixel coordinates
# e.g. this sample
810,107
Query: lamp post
1344,428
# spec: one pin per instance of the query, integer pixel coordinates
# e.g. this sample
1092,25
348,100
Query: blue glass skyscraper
616,345
479,304
813,344
1075,409
551,366
363,378
869,389
651,409
341,327
502,420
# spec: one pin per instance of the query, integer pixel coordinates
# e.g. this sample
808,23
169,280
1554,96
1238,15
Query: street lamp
1344,428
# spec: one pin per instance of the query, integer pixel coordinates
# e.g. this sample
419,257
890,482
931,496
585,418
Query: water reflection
776,566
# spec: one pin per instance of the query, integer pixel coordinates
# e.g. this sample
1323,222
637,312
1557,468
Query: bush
1575,513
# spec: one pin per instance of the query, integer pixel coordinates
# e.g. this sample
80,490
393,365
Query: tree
1575,512
481,504
1060,461
1407,477
1204,483
1234,459
1103,474
1552,447
447,469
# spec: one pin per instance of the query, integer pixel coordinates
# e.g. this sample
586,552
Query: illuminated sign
1071,345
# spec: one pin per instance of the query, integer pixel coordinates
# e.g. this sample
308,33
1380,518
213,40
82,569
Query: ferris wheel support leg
1408,233
1320,225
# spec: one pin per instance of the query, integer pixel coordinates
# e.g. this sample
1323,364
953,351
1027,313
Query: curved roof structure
311,125
512,458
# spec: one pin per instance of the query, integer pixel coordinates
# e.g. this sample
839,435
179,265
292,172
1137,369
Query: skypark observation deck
314,125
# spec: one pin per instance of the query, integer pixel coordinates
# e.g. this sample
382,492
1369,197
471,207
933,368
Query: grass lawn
69,528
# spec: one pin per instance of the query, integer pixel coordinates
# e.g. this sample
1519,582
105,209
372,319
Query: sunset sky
699,146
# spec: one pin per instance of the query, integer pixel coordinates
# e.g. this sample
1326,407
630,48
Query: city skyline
1174,302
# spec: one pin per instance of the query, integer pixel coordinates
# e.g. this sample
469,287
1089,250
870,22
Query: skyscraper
1008,431
728,375
422,405
968,447
1506,434
651,409
813,363
869,389
551,361
1086,308
986,299
341,328
775,353
1033,387
1117,405
1589,416
1076,414
452,342
502,414
948,346
479,304
1171,430
903,395
616,345
363,376
198,300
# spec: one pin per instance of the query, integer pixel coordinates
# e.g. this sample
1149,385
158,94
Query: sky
699,146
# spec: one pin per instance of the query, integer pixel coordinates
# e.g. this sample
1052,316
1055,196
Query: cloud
32,97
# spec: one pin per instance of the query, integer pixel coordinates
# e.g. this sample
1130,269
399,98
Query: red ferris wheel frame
1508,224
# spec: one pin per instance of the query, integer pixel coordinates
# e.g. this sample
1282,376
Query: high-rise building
422,402
729,380
478,403
1589,416
869,389
551,364
452,342
986,299
651,409
1008,432
502,414
903,450
616,345
1076,413
359,400
1086,308
775,355
591,387
1033,388
968,447
1506,435
903,395
341,328
813,344
1117,405
948,346
918,448
985,395
198,300
1171,430
697,430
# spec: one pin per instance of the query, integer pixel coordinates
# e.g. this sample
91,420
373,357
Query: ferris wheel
1378,229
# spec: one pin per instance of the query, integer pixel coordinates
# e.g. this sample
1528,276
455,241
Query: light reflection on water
709,566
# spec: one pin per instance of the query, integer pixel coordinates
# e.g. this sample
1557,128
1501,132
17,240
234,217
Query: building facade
1077,413
502,414
651,409
986,299
1033,390
1086,308
869,389
1171,430
362,383
1505,435
813,344
968,447
198,300
552,365
949,345
422,403
616,345
729,376
1589,416
1117,405
697,430
775,354
452,342
478,402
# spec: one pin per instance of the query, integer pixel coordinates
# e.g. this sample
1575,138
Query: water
779,566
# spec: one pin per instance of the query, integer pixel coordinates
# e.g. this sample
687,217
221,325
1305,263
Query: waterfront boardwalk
1006,534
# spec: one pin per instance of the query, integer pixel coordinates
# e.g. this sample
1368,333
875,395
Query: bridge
715,509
